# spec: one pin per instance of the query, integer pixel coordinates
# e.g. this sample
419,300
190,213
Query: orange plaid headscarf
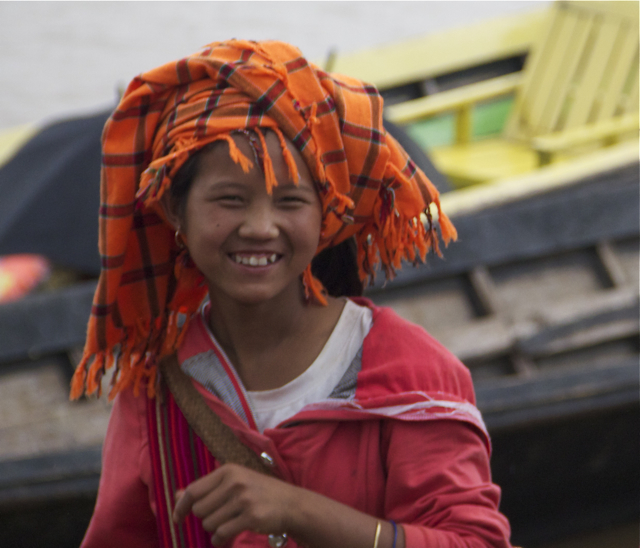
368,186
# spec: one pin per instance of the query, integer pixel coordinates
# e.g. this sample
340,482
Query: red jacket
409,446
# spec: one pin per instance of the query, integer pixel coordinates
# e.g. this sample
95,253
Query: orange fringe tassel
313,288
236,155
269,175
288,157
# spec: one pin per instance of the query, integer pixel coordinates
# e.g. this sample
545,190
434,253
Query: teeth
254,260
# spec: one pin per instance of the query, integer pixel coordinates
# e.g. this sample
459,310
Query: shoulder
129,414
400,356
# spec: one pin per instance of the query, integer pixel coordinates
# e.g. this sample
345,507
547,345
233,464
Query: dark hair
181,183
336,267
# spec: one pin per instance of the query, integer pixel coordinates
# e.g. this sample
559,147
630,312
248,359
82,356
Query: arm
233,499
439,485
123,515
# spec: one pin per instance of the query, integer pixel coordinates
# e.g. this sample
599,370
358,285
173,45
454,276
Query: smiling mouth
254,259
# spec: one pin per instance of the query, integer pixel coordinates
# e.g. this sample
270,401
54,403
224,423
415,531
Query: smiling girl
246,196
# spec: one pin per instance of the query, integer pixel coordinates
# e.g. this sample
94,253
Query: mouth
254,259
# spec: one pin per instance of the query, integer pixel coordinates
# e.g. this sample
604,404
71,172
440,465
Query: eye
292,201
229,199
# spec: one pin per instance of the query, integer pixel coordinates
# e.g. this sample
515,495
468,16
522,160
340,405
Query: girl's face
251,246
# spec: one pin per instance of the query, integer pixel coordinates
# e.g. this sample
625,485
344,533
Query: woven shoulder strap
217,436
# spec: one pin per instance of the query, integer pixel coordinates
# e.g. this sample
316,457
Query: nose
260,222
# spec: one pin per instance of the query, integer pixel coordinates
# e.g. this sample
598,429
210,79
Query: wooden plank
449,297
457,49
49,477
524,366
452,100
44,323
625,9
36,416
599,134
478,341
611,264
536,226
519,123
559,277
484,289
628,253
547,327
630,103
484,161
600,55
556,55
574,324
624,63
563,88
544,180
586,338
517,402
619,302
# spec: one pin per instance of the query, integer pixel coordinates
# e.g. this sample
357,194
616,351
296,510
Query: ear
170,209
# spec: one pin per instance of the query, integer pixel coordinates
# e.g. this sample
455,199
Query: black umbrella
50,194
419,156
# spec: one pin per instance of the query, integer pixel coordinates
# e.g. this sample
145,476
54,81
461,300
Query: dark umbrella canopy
419,156
50,194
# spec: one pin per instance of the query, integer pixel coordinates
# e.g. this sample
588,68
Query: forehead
216,159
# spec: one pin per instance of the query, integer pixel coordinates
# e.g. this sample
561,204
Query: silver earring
178,239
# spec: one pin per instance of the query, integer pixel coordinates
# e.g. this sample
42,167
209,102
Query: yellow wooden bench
12,139
577,93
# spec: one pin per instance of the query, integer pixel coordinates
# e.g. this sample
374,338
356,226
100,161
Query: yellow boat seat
578,92
484,160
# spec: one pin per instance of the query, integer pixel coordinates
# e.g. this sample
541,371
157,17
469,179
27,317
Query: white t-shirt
271,407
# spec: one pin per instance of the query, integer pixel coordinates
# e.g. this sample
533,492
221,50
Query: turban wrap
368,187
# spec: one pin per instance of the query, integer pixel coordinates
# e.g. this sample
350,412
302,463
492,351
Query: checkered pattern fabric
368,186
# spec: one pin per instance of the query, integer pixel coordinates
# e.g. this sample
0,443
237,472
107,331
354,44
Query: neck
272,343
239,325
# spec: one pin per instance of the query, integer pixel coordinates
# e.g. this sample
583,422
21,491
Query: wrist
298,512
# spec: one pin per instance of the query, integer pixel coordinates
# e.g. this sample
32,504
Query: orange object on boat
20,274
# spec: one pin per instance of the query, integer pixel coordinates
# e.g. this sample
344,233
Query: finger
200,487
216,519
211,503
195,491
229,530
183,506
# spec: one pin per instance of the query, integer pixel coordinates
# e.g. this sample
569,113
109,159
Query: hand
233,499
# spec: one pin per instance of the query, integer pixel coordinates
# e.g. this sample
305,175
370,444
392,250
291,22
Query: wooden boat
539,298
540,295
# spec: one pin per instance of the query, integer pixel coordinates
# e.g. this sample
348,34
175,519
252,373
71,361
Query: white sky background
61,59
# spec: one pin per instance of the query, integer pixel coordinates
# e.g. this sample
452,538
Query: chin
255,296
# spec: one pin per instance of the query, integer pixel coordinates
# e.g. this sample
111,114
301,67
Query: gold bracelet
377,537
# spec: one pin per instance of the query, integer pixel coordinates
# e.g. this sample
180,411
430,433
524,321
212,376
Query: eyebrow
224,184
293,186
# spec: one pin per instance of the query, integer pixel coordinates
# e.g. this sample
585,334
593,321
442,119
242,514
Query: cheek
204,226
313,228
